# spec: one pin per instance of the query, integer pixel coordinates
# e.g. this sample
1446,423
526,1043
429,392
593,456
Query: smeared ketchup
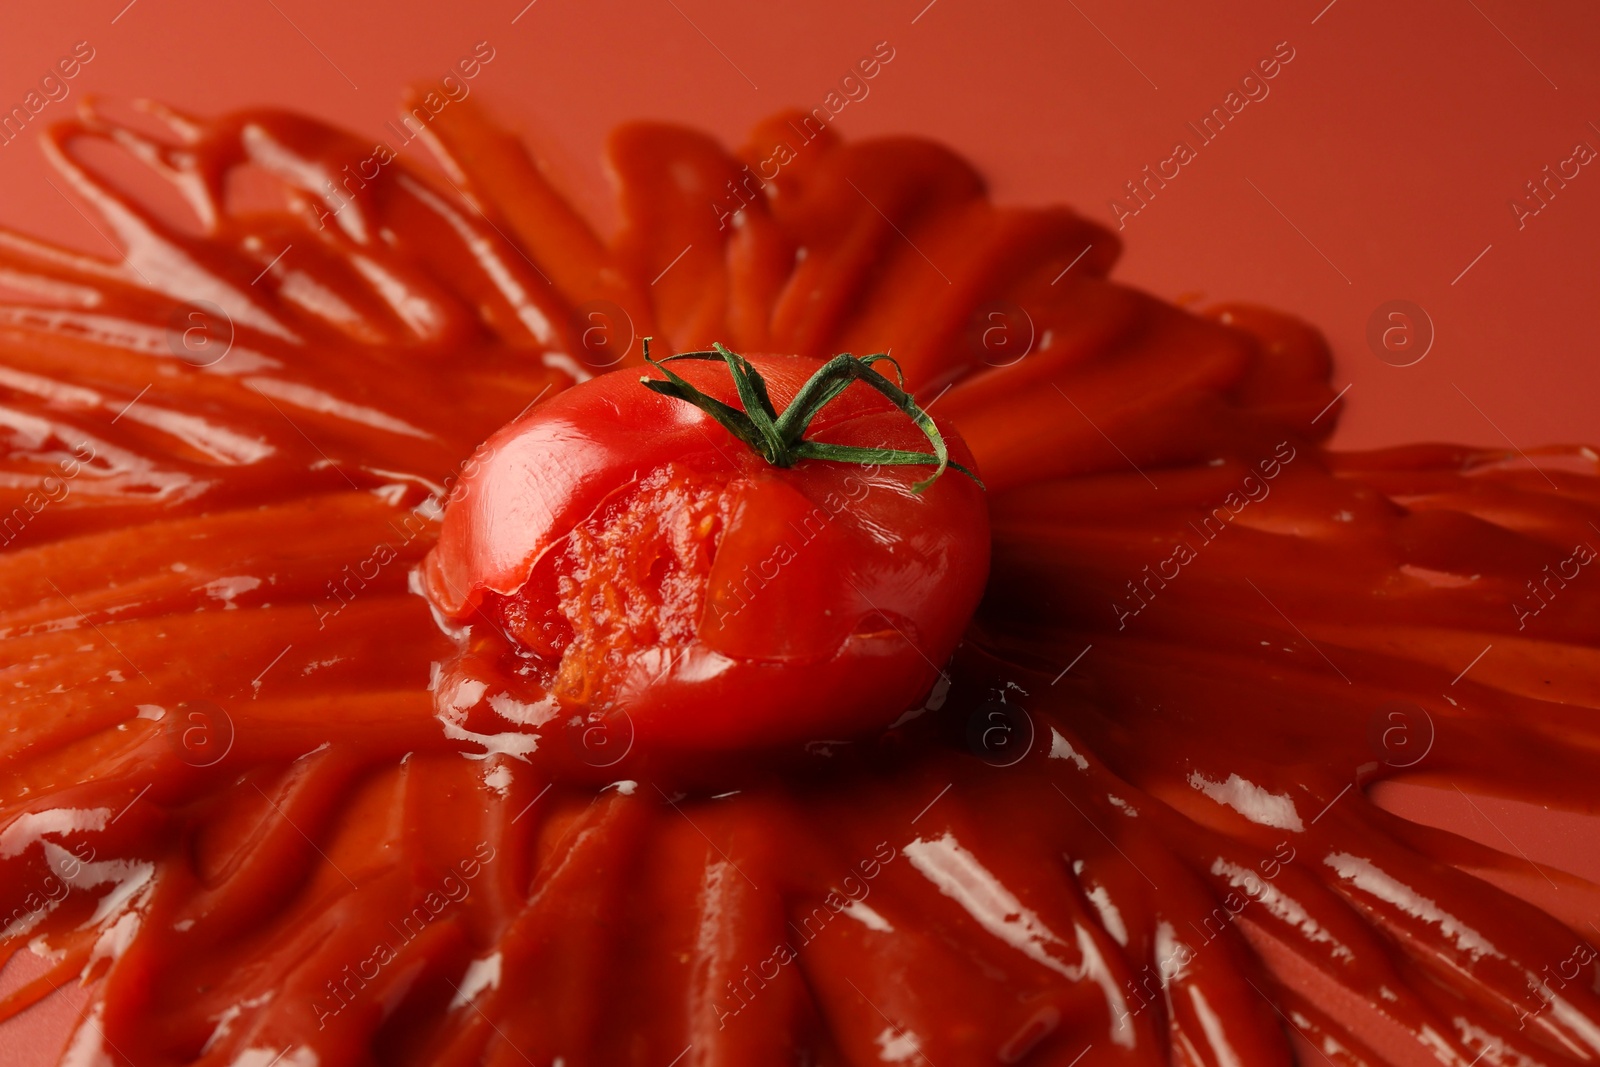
1130,824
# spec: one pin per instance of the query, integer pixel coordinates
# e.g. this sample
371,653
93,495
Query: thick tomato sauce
250,798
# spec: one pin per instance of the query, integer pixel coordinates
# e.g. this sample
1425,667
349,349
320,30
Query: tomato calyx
780,438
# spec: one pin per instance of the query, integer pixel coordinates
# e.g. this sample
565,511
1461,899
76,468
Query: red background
1378,168
1394,140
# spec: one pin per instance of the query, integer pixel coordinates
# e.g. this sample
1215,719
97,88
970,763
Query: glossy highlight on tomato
621,555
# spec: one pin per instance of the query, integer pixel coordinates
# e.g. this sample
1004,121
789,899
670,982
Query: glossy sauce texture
1131,829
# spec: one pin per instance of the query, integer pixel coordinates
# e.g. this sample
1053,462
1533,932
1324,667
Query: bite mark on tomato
631,576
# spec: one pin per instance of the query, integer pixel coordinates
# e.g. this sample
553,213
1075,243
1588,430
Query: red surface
1393,141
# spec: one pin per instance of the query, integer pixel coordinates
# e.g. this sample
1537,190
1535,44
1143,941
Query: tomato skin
833,595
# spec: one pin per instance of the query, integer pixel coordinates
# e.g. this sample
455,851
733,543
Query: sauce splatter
1130,824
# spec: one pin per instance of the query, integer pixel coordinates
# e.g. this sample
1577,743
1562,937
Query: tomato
621,559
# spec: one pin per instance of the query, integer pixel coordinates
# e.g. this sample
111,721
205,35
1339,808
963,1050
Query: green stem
780,439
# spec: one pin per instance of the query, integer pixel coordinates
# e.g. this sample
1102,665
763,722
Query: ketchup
1130,824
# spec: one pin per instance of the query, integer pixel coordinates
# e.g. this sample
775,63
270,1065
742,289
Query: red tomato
621,553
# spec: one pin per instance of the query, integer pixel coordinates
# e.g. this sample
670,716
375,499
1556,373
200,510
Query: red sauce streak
1124,832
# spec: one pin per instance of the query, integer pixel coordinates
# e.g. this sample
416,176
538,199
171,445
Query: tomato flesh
632,576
